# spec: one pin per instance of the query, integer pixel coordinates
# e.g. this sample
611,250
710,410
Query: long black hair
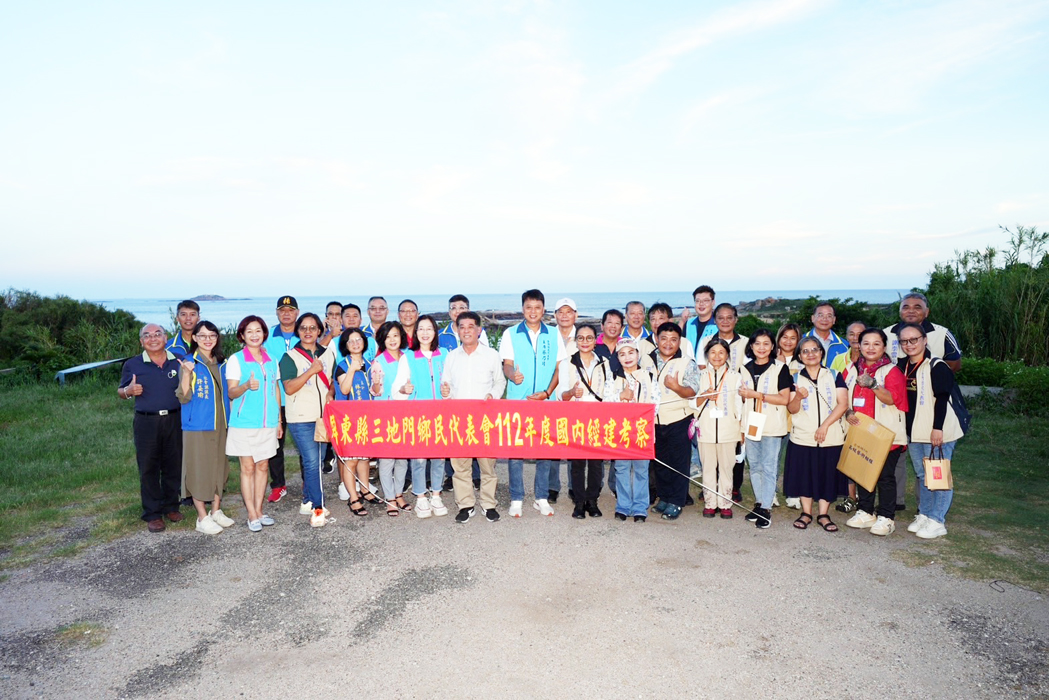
216,353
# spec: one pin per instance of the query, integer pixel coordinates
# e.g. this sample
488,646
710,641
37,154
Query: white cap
625,343
565,302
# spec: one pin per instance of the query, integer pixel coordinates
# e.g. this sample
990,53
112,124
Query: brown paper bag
755,427
938,475
864,452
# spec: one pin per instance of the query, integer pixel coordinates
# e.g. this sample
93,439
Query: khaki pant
714,455
463,486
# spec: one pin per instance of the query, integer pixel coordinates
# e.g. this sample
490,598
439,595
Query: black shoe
552,496
491,515
737,496
592,510
328,467
579,512
753,515
187,501
477,484
689,501
901,506
763,522
464,515
620,516
448,484
640,518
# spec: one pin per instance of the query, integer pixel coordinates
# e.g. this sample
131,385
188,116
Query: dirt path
537,606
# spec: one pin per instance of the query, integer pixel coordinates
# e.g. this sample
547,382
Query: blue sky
172,149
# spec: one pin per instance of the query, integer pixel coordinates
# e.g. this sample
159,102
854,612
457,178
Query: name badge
859,402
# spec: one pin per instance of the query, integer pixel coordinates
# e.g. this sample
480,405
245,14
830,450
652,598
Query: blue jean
419,475
555,475
391,477
542,479
931,504
631,486
310,451
763,456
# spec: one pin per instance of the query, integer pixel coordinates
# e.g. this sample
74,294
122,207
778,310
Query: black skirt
812,472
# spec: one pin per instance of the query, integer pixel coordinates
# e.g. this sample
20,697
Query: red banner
497,428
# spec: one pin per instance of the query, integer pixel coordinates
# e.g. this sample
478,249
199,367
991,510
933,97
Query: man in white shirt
473,371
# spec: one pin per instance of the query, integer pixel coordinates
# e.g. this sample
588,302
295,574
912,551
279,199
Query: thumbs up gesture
517,377
134,388
446,389
578,390
253,383
408,387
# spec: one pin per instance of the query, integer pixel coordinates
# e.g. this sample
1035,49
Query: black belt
158,413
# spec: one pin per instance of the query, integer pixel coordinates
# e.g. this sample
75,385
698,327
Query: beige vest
672,407
645,389
775,416
720,421
820,403
889,416
307,404
925,404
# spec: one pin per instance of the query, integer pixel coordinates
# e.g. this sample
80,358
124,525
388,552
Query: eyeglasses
154,334
911,341
206,336
309,329
810,351
378,308
459,307
585,338
825,317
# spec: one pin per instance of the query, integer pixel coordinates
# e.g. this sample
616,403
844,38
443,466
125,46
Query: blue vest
537,365
199,414
446,339
692,329
256,409
426,373
177,346
276,345
389,373
360,387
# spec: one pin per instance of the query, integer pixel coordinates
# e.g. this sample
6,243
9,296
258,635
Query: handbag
755,422
938,475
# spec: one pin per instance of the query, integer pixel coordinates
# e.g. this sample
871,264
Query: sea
229,312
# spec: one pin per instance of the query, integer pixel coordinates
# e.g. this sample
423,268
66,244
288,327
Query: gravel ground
539,606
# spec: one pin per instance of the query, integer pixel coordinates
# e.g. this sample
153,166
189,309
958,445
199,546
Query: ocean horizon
231,311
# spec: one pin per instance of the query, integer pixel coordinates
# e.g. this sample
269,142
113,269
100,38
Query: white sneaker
775,501
306,508
208,526
320,518
918,524
794,503
221,519
884,526
266,520
862,519
255,525
932,529
422,507
543,506
438,505
344,494
515,509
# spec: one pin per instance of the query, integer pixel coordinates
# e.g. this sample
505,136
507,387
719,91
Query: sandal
370,498
803,521
828,526
359,510
402,504
391,509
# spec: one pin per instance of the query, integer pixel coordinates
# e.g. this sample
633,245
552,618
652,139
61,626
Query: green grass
998,525
88,634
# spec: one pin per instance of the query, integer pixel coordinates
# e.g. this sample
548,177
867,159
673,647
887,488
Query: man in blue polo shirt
282,338
448,338
151,379
530,352
187,313
823,319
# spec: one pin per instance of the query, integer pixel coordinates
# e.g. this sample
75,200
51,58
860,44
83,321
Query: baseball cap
625,343
565,301
287,301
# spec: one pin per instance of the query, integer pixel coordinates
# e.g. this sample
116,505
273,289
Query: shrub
1032,386
983,371
846,311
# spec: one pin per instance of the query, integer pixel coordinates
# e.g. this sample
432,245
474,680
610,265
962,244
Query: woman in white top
632,384
391,381
719,425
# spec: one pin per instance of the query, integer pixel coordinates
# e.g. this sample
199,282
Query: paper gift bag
755,422
863,454
938,472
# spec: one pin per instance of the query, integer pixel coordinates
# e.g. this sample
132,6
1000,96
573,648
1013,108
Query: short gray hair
915,295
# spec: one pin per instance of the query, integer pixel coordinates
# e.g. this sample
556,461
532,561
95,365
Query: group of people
721,400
